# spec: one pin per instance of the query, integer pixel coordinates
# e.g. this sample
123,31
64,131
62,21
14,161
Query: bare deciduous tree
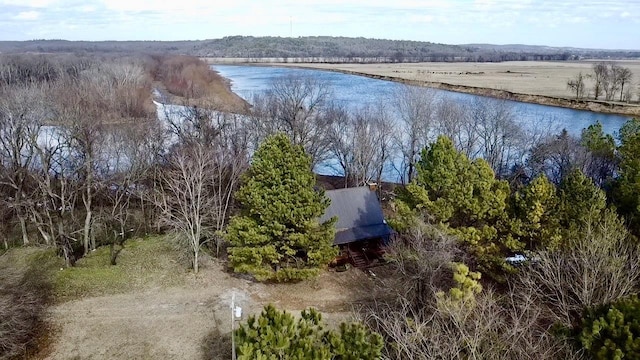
613,81
53,208
196,194
628,94
622,76
300,107
415,109
499,137
557,155
230,160
454,120
610,78
577,85
82,118
597,267
407,310
600,78
186,197
22,114
129,158
361,143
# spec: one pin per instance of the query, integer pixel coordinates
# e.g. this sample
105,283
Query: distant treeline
323,49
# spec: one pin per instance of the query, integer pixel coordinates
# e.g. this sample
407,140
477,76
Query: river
354,91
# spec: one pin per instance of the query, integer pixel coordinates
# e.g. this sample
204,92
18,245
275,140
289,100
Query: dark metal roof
359,215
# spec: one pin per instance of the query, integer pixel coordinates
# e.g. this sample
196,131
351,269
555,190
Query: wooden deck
361,254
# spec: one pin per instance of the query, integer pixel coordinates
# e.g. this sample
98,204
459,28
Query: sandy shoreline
541,83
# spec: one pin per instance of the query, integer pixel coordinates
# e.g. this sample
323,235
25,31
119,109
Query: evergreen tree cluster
278,335
588,209
492,220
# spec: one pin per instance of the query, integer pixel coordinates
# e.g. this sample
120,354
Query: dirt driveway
182,322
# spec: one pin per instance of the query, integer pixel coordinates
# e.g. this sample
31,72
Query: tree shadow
216,345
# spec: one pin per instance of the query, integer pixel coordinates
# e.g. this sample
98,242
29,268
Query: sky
606,24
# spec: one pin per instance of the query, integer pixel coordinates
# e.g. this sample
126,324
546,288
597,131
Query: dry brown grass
151,306
526,77
191,81
25,290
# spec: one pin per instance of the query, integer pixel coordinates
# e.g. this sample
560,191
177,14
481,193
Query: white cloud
421,18
577,19
170,6
29,3
27,15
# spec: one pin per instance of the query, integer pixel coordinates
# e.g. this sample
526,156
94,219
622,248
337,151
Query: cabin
361,230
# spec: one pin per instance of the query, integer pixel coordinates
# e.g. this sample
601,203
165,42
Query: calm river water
355,91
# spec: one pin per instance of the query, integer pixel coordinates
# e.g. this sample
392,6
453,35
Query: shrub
425,308
612,331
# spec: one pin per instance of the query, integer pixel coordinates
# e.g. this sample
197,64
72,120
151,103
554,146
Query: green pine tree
277,235
534,215
580,202
459,192
612,331
626,192
278,335
594,139
603,153
463,197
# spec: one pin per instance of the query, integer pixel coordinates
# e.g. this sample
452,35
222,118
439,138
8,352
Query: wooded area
87,160
320,49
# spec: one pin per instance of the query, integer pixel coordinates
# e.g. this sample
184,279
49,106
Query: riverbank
534,82
190,81
598,106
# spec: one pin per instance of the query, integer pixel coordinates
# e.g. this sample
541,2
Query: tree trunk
87,204
45,236
63,243
23,229
87,228
410,172
145,221
195,261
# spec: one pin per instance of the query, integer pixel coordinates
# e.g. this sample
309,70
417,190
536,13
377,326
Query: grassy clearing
142,264
23,258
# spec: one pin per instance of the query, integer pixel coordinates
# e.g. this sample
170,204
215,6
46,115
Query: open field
150,307
529,81
525,77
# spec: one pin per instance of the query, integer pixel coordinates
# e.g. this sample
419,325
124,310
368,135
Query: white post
233,338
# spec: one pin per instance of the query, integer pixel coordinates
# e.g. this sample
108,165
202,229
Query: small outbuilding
361,230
